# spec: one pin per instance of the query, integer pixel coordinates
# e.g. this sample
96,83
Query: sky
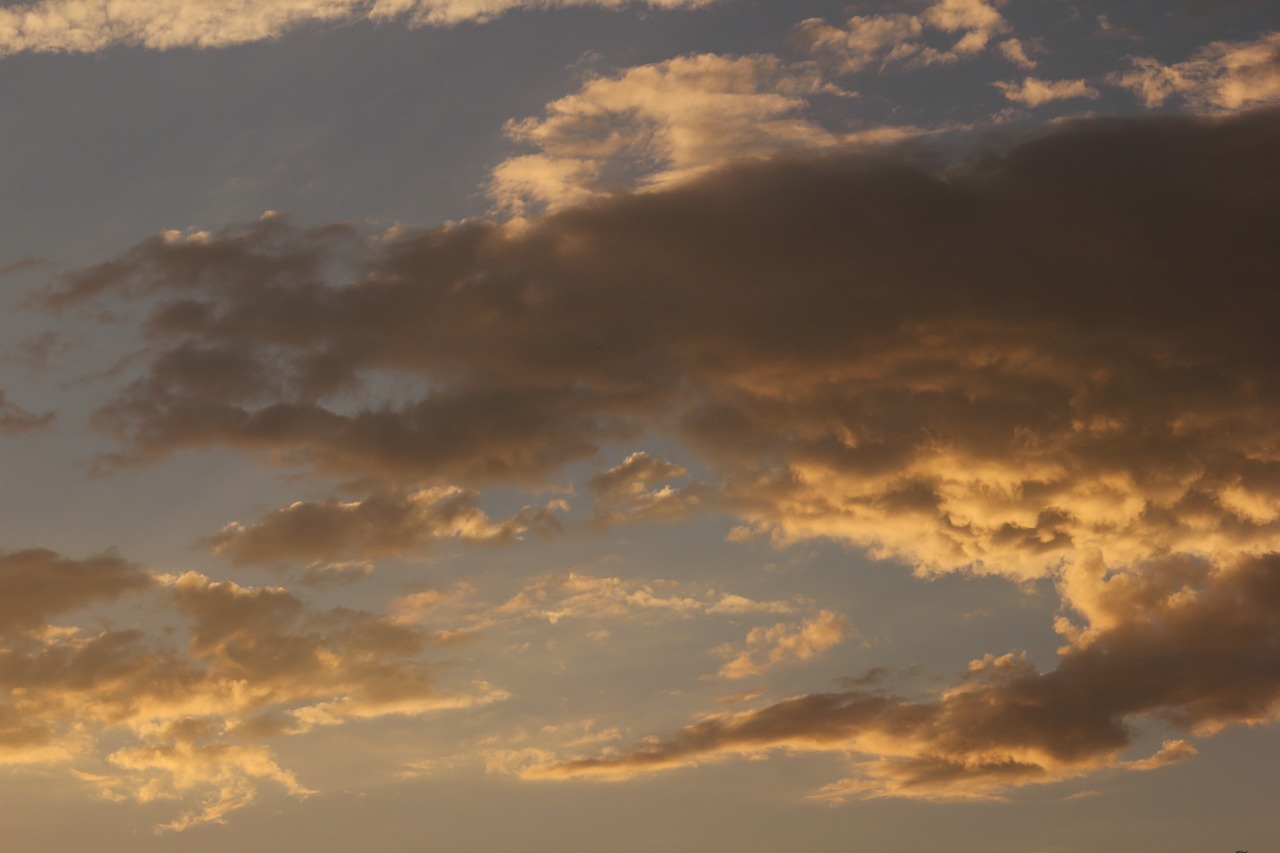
573,425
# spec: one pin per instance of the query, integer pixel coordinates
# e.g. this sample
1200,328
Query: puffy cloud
1223,76
637,490
69,26
14,419
1016,52
38,585
383,524
863,41
977,20
767,647
991,406
656,125
1033,91
1185,641
188,724
899,38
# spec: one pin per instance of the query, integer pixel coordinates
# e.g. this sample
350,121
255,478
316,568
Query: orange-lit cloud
1184,641
1033,91
641,489
1224,76
878,41
766,647
191,722
655,125
383,524
1055,360
67,26
969,406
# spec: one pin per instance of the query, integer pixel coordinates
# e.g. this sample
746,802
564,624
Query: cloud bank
993,366
1053,360
69,26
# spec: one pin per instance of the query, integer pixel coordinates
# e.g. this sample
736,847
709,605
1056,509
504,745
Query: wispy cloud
1005,724
1223,76
1033,91
68,26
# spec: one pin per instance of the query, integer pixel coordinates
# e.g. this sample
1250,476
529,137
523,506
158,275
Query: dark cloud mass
1056,358
1064,344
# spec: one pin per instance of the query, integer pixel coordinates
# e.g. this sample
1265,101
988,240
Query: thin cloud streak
68,26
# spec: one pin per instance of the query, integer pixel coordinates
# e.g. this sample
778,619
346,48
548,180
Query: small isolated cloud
1033,91
656,125
383,524
1222,77
638,489
1016,52
592,597
766,647
224,776
69,26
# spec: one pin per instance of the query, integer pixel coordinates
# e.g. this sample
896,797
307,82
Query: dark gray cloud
38,585
1062,344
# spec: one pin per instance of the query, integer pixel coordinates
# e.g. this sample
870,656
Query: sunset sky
684,425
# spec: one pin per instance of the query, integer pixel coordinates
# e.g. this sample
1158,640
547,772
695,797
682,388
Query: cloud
1016,52
767,647
188,724
1045,379
900,38
593,597
383,524
655,125
177,769
15,420
865,40
1051,360
68,26
1221,77
38,585
1184,641
1033,91
638,490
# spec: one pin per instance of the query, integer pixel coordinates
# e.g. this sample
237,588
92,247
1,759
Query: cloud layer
69,26
1182,640
995,365
1051,360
